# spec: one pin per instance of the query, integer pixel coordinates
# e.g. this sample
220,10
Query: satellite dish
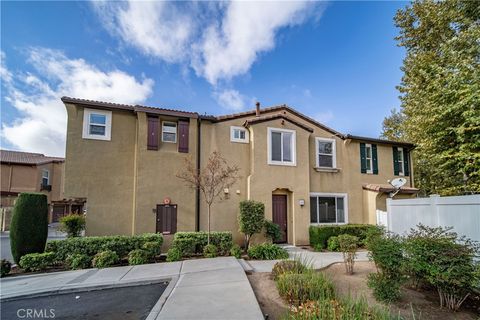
398,182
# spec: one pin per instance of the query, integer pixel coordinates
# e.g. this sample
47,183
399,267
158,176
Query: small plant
73,225
5,267
37,261
333,244
236,251
287,266
29,226
318,247
251,219
137,256
152,248
272,231
78,261
348,245
210,251
105,259
300,288
386,289
174,254
267,251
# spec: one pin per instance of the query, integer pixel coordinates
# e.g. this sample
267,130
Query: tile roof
7,156
388,188
276,116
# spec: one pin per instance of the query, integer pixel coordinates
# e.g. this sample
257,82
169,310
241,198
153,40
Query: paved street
5,252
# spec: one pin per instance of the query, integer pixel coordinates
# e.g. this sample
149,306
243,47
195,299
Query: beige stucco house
123,159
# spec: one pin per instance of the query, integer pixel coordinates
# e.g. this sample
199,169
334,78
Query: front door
279,214
166,218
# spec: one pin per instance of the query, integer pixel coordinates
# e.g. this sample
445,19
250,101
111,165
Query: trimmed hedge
29,226
90,246
105,259
319,235
267,251
37,261
190,243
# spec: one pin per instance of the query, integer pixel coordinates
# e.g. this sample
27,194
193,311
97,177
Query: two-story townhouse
123,159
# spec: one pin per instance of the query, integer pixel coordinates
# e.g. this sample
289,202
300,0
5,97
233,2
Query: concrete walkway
198,289
318,260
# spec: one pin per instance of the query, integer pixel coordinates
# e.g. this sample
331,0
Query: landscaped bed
424,303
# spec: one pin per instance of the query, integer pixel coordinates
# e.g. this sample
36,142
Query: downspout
197,193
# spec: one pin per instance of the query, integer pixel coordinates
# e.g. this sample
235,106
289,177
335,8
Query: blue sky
335,61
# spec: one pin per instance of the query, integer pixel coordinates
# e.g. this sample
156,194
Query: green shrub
37,261
332,244
104,259
320,234
174,254
78,261
137,256
348,246
443,260
267,251
73,225
272,231
299,288
251,219
210,251
89,246
287,266
318,247
345,309
236,251
385,288
29,225
190,243
5,267
152,248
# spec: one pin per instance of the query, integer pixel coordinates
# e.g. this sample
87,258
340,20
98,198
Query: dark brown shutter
173,225
183,136
152,132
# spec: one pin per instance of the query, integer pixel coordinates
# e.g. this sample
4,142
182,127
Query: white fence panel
382,219
460,212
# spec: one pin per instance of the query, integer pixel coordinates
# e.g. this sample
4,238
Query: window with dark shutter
152,132
166,218
374,159
363,158
406,163
396,167
183,136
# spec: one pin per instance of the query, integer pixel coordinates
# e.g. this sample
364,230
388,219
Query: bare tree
216,176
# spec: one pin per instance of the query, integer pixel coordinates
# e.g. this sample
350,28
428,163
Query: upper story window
238,134
368,158
97,124
45,177
328,208
169,131
400,161
326,153
281,147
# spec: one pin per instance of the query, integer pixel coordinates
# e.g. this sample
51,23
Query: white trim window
369,158
400,161
45,177
238,134
281,145
326,153
169,131
328,208
97,124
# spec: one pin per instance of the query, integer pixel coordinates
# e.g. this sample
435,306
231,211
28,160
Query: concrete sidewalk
318,260
199,289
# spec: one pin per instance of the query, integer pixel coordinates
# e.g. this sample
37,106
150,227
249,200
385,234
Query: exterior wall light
301,202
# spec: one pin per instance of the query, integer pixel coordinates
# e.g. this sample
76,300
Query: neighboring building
30,172
123,160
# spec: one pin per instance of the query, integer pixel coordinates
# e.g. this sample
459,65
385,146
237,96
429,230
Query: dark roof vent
257,110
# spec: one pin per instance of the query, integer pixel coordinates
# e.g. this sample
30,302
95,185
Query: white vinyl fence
461,212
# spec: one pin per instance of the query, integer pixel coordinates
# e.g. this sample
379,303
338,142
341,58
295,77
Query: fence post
434,207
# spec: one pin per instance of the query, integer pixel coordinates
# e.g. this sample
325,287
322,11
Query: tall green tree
392,127
440,92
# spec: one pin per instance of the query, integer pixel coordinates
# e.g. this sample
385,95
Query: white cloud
324,117
41,126
218,40
231,99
